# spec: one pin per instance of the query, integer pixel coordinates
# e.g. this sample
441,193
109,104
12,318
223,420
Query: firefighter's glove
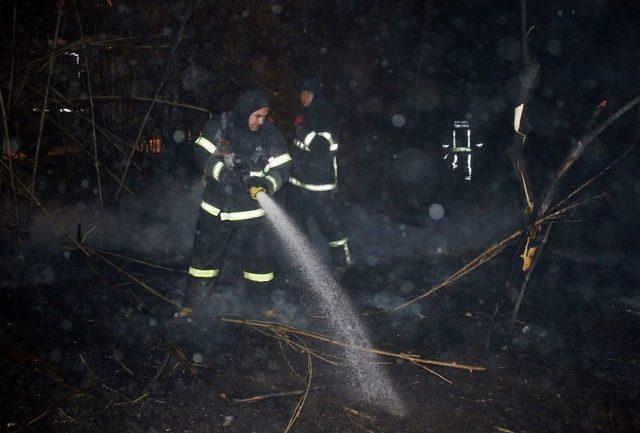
241,171
230,160
258,184
319,145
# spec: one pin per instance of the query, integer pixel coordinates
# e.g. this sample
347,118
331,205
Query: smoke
376,238
157,220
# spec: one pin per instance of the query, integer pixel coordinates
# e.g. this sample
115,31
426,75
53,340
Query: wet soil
90,351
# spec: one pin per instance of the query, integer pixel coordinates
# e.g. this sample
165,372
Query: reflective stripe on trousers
312,187
260,278
203,273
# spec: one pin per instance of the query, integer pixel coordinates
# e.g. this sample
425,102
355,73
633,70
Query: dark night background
85,347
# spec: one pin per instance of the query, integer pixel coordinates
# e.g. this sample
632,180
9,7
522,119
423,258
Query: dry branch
553,213
273,395
44,104
137,98
576,151
90,90
300,404
282,328
185,19
82,148
6,150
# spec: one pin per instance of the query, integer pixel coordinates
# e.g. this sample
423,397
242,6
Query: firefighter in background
314,173
240,154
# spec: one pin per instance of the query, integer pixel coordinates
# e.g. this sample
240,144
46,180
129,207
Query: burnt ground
85,349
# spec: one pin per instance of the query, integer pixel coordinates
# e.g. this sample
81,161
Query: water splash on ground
373,381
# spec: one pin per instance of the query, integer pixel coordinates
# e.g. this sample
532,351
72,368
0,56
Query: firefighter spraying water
244,160
240,154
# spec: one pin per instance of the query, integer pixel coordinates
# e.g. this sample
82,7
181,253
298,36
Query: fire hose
245,175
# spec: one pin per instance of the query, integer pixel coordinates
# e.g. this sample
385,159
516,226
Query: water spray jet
373,382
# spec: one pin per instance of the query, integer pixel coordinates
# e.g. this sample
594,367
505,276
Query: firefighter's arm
209,153
276,170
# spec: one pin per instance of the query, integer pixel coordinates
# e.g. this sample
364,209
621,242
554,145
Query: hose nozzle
254,190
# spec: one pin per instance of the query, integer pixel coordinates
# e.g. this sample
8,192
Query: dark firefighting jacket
263,153
315,166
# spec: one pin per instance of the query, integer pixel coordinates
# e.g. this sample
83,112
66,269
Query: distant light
276,9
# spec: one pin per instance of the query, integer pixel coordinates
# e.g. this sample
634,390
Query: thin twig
109,135
433,372
575,153
44,104
185,19
13,59
83,149
595,177
6,150
479,260
273,395
90,90
86,365
136,260
298,408
38,418
138,98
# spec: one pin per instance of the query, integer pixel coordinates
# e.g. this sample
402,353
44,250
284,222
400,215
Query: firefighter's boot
259,294
198,289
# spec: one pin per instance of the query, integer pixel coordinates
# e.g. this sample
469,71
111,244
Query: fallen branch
284,329
490,253
300,404
273,395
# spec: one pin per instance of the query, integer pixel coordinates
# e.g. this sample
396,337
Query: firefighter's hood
249,101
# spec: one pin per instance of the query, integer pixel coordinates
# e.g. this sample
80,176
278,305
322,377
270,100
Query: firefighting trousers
323,207
211,240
